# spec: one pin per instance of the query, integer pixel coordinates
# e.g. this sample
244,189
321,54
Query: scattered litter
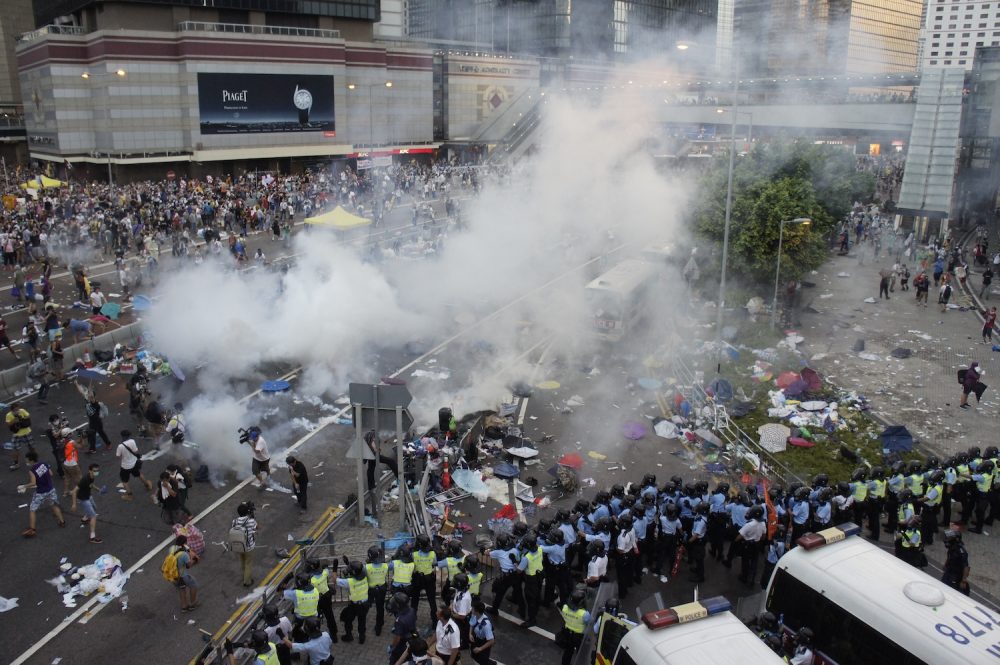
825,295
547,385
7,604
869,356
901,353
439,375
575,400
597,456
869,299
843,274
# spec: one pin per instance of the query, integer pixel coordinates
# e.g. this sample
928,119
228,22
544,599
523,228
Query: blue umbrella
276,386
176,370
92,375
141,303
111,310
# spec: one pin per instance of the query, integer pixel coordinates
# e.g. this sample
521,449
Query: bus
698,633
618,299
867,607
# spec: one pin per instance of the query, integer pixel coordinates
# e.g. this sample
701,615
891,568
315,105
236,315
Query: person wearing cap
317,645
956,565
481,637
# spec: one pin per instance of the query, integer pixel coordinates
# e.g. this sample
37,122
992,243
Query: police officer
859,492
915,478
931,504
876,501
717,520
316,646
626,549
895,485
800,513
377,571
404,626
266,652
775,550
556,569
956,565
738,519
481,633
533,571
911,546
461,606
982,476
575,619
319,576
507,556
749,541
357,605
965,487
424,562
803,653
696,543
643,515
823,511
402,569
305,600
471,568
453,564
671,534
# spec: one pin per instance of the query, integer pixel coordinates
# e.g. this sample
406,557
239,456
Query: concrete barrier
16,378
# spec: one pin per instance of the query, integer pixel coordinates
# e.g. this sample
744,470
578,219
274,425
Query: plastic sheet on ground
666,429
471,482
7,604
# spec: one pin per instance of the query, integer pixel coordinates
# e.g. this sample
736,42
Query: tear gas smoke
589,188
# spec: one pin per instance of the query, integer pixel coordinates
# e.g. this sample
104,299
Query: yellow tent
47,182
339,219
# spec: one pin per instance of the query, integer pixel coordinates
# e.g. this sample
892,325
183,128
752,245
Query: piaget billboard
264,103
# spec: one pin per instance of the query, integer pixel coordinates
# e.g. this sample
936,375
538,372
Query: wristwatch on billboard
303,101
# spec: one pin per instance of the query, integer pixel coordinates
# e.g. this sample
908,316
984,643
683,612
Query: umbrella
634,430
572,460
111,310
141,303
274,386
91,374
666,429
796,387
176,370
786,379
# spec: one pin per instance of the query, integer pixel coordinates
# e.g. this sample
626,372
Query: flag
772,516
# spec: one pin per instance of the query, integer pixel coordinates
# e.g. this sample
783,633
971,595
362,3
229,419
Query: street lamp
118,73
746,114
371,112
777,271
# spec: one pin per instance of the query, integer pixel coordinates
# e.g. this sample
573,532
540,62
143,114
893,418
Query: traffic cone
446,476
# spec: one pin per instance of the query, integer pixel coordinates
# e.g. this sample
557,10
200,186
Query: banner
265,103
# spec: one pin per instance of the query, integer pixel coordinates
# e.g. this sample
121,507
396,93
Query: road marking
520,622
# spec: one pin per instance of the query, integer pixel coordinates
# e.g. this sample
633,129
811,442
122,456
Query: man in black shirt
83,494
405,625
956,565
300,480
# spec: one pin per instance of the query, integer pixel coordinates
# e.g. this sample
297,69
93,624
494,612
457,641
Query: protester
83,494
300,481
130,465
247,526
177,570
19,423
45,493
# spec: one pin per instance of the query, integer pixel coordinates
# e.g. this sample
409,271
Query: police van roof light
834,534
687,612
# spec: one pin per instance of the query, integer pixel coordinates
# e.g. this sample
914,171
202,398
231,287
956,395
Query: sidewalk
921,391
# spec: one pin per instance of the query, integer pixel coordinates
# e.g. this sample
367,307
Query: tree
775,182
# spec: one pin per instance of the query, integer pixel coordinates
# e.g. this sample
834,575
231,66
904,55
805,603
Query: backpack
169,569
238,539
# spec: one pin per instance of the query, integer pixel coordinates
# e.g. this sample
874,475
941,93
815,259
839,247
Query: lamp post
746,114
118,73
371,112
777,271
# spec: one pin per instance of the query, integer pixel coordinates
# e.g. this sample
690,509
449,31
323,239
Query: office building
826,37
978,180
15,19
952,31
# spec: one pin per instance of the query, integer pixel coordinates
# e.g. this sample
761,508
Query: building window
933,62
947,52
947,62
963,53
940,9
934,53
979,43
961,62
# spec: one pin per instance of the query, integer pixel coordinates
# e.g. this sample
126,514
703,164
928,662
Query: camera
248,433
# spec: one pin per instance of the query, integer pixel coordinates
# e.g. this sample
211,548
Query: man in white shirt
97,300
749,540
449,639
597,567
261,457
461,606
131,464
627,547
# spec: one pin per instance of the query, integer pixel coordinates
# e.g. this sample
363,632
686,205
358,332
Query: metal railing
51,29
250,29
11,121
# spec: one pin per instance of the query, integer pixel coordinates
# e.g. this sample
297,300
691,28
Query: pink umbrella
786,379
634,430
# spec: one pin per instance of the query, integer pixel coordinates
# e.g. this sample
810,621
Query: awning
339,219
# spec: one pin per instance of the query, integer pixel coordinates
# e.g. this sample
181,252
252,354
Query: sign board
380,161
378,411
230,103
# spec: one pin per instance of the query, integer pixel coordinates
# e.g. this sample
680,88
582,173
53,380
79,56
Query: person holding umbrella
971,383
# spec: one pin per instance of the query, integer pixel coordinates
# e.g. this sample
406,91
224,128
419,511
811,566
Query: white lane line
520,622
524,408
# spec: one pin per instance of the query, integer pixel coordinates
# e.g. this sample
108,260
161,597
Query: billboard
265,103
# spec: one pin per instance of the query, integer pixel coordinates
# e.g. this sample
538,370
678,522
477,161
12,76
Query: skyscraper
953,30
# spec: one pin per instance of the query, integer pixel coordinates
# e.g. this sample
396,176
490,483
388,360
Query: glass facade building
46,11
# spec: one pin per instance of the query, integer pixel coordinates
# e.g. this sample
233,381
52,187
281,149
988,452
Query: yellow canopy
339,218
46,183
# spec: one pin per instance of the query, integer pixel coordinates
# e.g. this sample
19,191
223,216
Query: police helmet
793,487
974,452
302,580
577,598
768,621
743,499
311,627
259,641
625,522
991,452
375,554
530,542
461,582
618,490
952,536
701,508
804,637
933,462
669,487
843,488
602,525
914,467
647,500
701,486
312,564
985,467
611,606
755,513
505,541
821,480
603,497
356,570
562,516
556,537
937,476
672,511
544,526
677,480
470,564
423,542
595,548
722,488
751,491
519,530
897,467
878,473
271,614
398,602
961,458
648,479
905,495
455,548
802,494
825,494
859,475
582,506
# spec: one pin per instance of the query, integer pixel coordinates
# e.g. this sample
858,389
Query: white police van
867,607
698,633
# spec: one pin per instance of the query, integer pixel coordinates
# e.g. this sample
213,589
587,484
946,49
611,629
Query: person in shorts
19,423
45,493
83,494
131,464
186,584
261,465
5,339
